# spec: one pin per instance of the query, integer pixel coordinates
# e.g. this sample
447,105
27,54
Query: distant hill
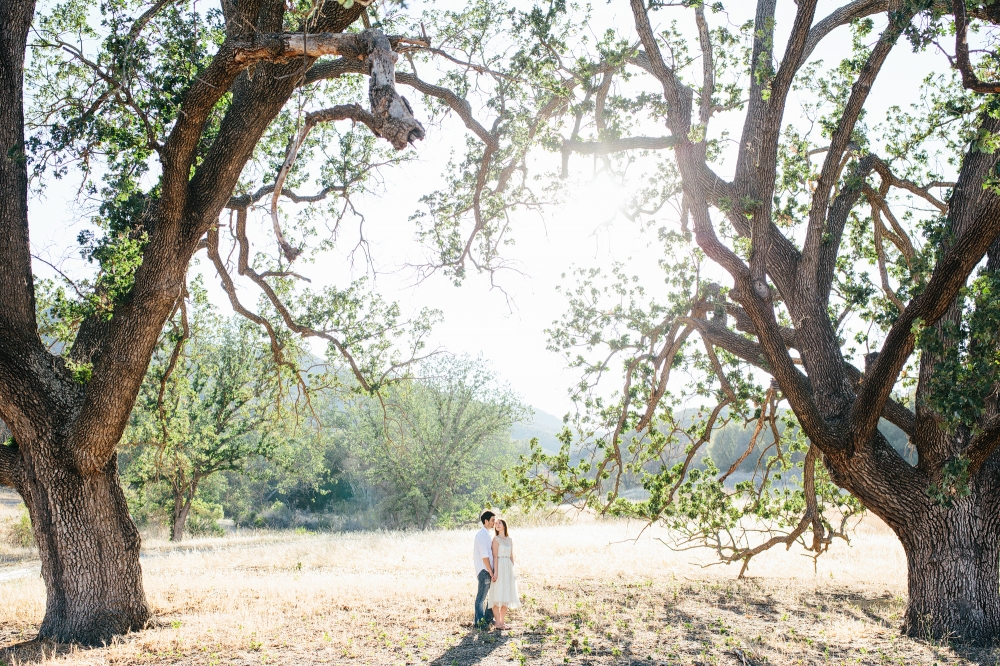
727,444
544,426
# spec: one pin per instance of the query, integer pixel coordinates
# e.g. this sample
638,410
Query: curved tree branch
838,17
974,219
229,286
810,517
962,61
247,200
341,112
458,104
744,348
244,268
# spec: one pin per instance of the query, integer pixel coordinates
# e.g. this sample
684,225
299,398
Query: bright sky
478,319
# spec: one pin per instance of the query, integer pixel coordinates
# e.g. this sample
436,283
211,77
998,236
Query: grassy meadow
592,594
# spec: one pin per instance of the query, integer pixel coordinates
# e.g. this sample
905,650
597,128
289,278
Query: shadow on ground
34,652
475,646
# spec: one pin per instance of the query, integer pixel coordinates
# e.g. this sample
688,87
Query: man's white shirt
482,548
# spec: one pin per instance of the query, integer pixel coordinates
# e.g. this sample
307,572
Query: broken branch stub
393,115
394,119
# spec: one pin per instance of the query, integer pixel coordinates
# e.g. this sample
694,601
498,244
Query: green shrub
19,533
203,519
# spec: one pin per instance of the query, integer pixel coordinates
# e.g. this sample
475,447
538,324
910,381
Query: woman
503,591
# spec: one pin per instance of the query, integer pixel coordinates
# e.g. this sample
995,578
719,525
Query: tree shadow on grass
974,654
475,646
35,651
45,651
884,610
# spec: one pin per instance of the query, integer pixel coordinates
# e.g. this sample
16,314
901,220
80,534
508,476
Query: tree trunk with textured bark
953,575
89,548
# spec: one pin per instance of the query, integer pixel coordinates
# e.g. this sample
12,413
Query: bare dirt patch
591,597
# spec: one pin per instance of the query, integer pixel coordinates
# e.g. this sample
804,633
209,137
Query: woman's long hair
501,521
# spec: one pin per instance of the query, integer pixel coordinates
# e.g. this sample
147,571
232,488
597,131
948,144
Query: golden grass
591,597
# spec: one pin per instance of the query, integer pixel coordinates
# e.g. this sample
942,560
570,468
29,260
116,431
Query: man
482,560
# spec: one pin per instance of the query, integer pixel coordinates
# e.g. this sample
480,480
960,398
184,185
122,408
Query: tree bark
953,572
89,548
182,508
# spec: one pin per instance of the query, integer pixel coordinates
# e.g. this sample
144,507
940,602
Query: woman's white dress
504,591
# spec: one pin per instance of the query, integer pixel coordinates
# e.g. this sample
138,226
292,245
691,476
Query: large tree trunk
953,574
89,549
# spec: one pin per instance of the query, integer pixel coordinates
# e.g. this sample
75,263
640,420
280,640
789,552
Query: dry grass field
590,596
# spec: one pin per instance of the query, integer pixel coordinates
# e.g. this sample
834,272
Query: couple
493,558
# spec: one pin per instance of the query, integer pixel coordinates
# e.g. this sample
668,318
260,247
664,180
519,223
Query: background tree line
222,429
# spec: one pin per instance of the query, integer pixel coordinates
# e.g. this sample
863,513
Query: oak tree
819,263
175,118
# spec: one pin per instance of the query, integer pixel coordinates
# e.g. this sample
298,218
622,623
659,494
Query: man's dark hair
486,516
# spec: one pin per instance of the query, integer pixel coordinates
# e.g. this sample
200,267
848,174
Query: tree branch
705,106
749,351
340,112
837,18
458,104
244,268
810,517
962,62
898,235
752,444
894,412
249,116
276,47
246,200
757,156
815,230
880,231
837,216
332,69
17,296
172,363
230,288
894,181
675,93
982,446
974,219
393,115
